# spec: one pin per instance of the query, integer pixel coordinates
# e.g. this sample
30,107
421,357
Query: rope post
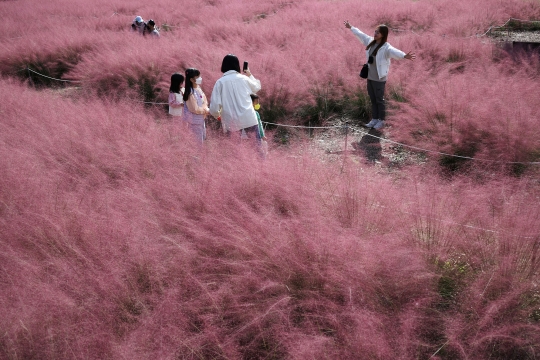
345,148
346,138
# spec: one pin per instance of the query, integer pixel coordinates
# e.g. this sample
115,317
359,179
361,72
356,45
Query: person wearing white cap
138,25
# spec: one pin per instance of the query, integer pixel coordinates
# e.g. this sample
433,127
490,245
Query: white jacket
231,100
385,53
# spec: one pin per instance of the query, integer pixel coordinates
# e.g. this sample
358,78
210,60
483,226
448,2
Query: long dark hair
383,29
190,74
176,81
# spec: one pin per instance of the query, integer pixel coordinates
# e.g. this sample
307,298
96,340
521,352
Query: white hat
138,19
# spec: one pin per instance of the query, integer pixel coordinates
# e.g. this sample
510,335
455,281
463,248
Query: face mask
257,107
198,81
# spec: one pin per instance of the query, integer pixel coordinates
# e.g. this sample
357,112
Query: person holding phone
378,53
231,98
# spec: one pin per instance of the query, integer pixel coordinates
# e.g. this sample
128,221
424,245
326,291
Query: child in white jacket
378,54
176,94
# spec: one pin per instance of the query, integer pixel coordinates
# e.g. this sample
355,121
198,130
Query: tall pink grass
122,240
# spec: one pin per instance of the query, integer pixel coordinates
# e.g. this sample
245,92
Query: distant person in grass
196,105
378,54
150,29
138,25
231,99
176,95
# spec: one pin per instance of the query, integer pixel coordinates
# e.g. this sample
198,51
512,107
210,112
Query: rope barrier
450,222
51,78
77,81
303,127
451,155
154,103
405,145
472,226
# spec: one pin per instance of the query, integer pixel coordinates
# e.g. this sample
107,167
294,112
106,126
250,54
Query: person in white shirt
138,25
176,94
150,29
196,105
231,99
378,54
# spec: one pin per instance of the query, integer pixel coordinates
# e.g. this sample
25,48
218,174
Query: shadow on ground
370,145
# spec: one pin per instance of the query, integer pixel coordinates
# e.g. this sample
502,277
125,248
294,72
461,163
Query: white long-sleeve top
176,103
231,100
385,53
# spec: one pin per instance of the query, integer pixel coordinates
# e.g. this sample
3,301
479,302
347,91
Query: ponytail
190,73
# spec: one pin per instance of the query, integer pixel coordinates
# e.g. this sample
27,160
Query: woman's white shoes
372,123
375,124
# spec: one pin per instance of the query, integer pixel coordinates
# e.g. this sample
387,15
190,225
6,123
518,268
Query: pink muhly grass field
121,239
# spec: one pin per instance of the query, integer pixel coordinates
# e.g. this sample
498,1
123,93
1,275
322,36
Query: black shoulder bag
364,72
365,69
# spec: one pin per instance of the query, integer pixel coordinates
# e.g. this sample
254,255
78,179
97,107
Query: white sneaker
379,124
372,123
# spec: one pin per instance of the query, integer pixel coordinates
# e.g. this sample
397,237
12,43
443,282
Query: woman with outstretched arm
378,54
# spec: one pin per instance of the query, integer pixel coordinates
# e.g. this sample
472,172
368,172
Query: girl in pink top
196,105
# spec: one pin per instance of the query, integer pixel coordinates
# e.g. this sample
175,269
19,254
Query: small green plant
358,106
273,110
453,272
166,27
440,117
326,104
459,158
52,65
145,85
456,55
520,167
519,25
535,315
396,93
530,302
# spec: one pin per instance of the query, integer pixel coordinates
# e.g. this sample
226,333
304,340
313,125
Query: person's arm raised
254,84
364,38
410,56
